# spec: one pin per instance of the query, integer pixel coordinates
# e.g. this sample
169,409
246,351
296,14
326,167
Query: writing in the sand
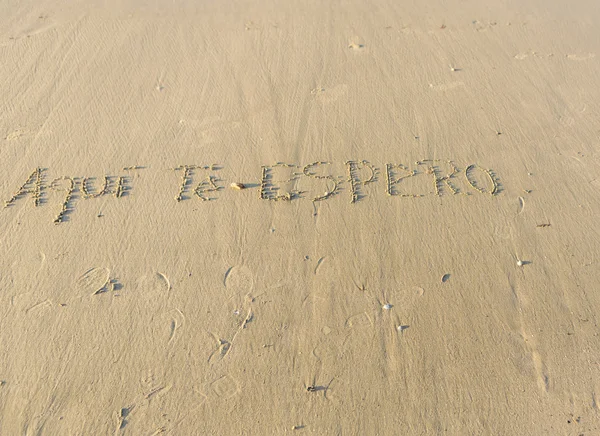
316,181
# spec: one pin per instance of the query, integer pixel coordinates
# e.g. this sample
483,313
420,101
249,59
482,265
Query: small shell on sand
238,186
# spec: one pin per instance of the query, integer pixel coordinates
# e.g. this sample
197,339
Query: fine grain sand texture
410,245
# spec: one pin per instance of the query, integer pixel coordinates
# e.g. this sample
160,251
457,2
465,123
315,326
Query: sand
413,248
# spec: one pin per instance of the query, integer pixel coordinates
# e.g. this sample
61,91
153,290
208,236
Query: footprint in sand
39,306
359,320
328,345
238,279
151,295
408,298
503,232
239,284
94,281
225,387
154,283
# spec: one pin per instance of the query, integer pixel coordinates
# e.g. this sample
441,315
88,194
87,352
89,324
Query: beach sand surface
415,250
